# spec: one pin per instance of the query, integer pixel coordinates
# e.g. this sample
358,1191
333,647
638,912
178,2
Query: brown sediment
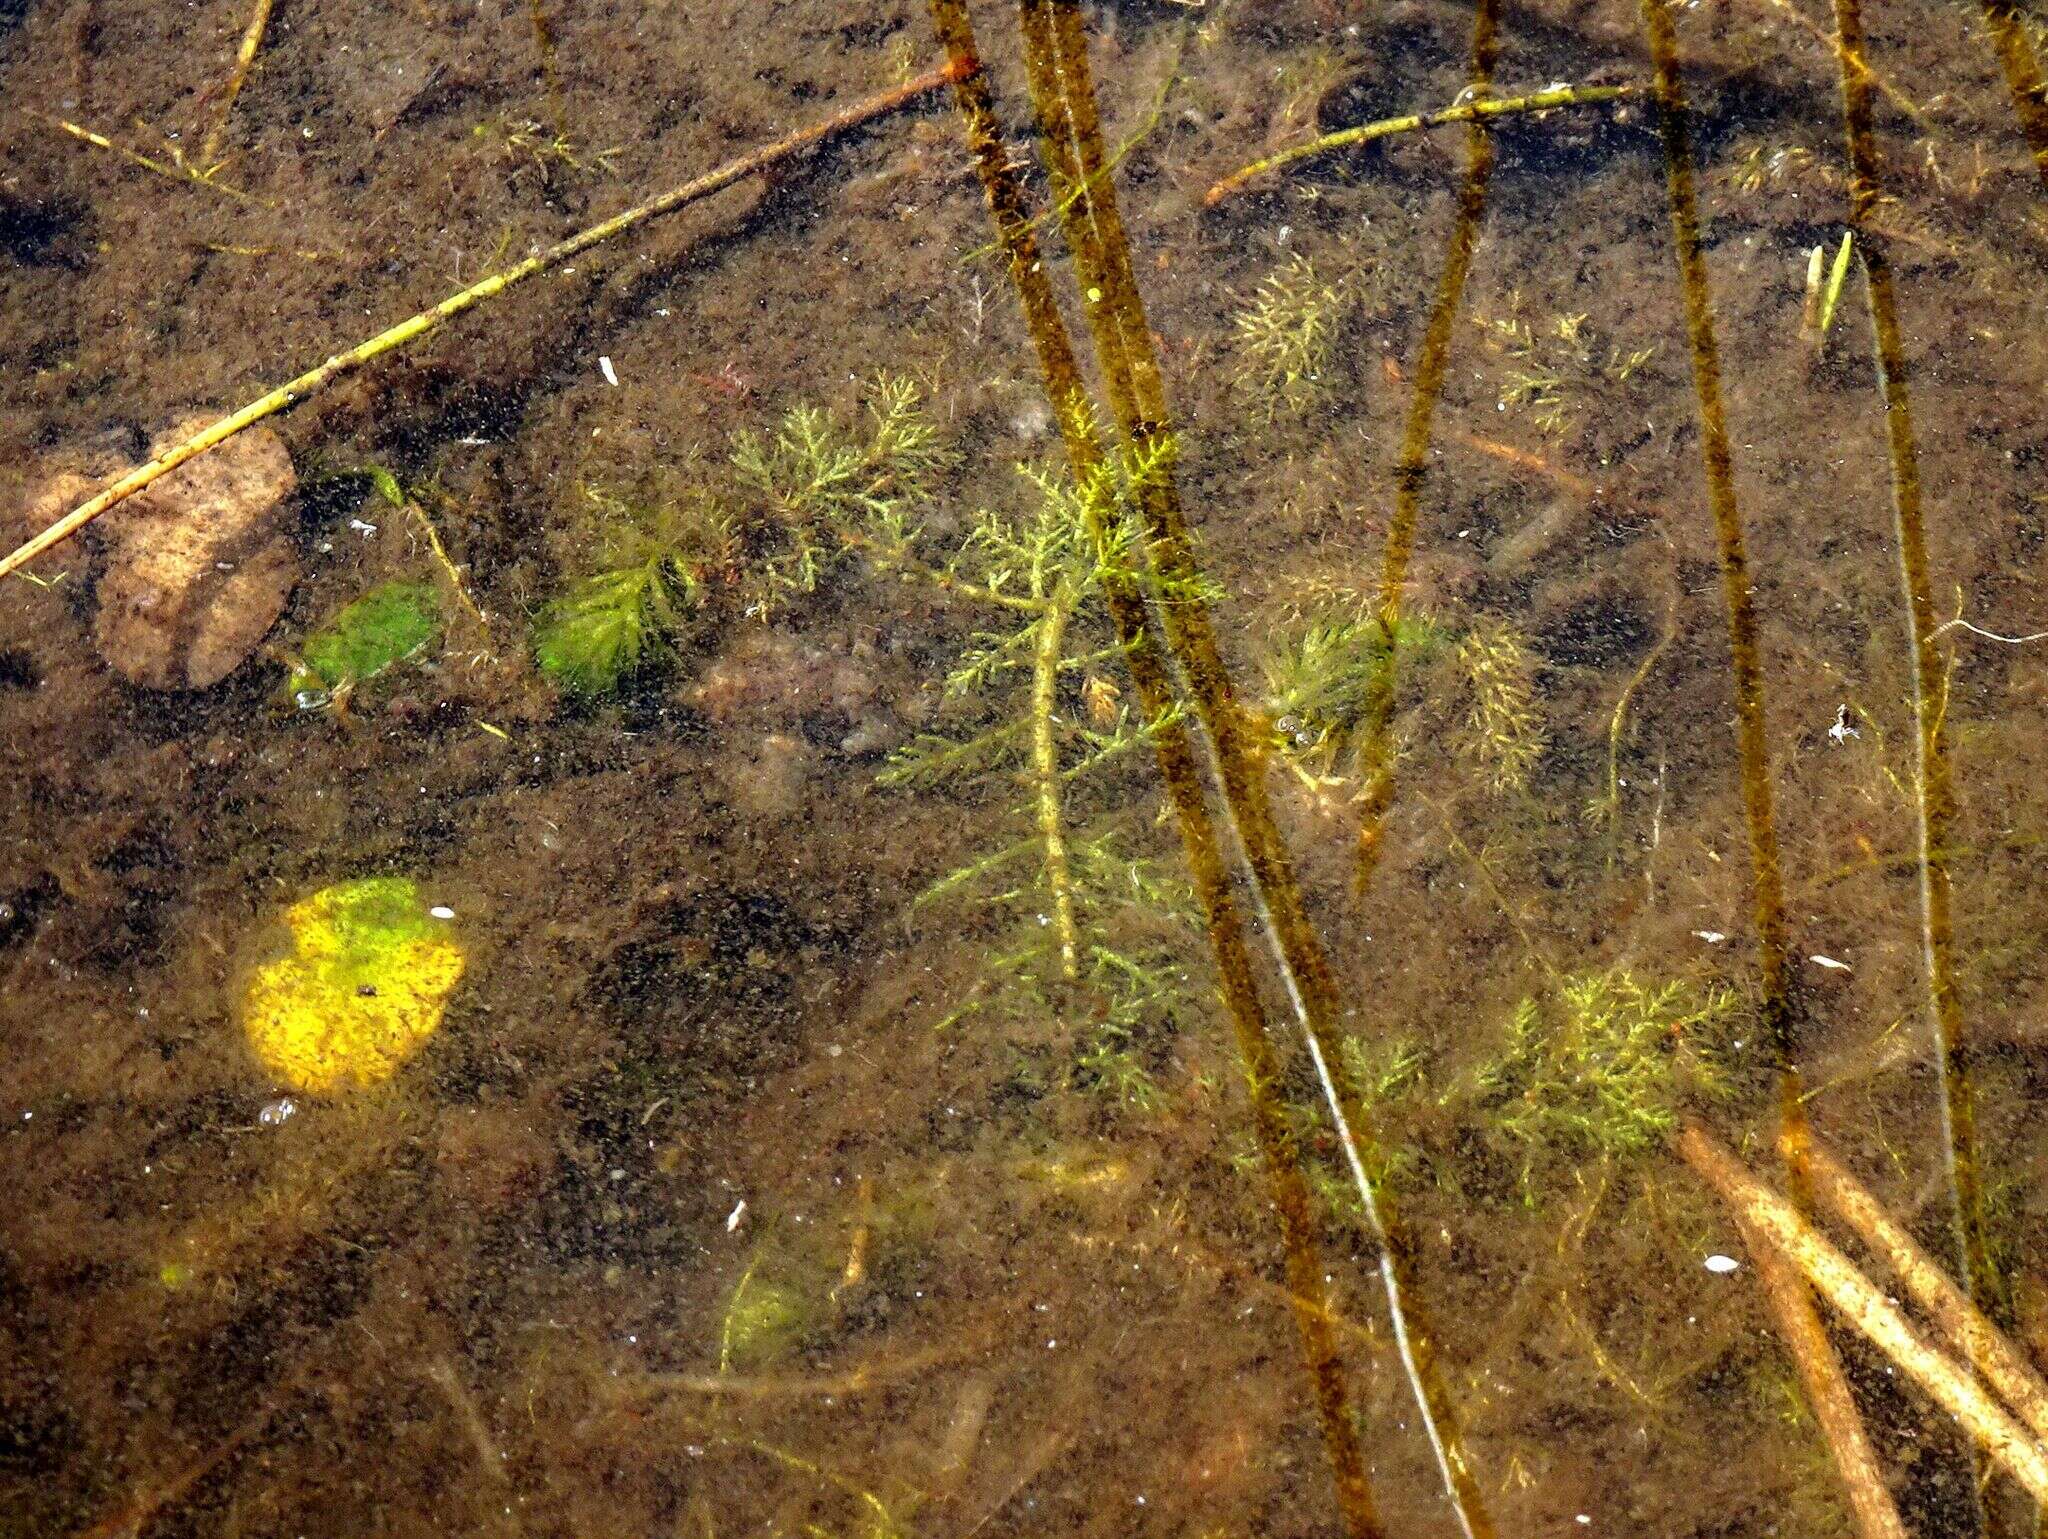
1306,1280
1411,471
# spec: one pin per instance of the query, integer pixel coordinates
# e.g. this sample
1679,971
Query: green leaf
385,626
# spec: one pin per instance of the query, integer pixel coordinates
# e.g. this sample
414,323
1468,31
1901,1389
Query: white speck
1583,1520
362,528
611,375
1721,1265
472,441
661,312
1051,1343
1841,731
1711,937
442,911
1829,963
732,1219
277,1113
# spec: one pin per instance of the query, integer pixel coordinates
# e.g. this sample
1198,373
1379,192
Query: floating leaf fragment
362,990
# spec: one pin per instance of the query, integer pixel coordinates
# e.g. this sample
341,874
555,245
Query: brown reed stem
1056,60
1827,1389
1866,1308
1475,111
313,380
1307,1280
1411,471
2023,77
1935,780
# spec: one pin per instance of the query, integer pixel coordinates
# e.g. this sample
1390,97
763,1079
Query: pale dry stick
1774,1221
1827,1391
296,390
245,57
1988,1349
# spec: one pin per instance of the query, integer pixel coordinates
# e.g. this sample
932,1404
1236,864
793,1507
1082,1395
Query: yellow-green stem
1462,112
295,390
1045,775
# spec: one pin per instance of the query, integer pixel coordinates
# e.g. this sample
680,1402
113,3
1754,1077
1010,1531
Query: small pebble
1721,1265
442,911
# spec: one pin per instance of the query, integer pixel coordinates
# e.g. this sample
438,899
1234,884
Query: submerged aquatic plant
1285,336
783,511
1556,370
384,627
1603,1065
1319,679
1506,735
1067,892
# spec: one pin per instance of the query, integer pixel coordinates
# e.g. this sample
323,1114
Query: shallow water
461,1093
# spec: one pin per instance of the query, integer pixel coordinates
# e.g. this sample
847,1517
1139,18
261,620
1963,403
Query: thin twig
252,39
179,170
313,380
1461,112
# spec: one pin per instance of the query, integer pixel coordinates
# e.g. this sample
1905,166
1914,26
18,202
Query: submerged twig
1865,1307
178,169
1987,1348
245,57
1461,112
296,390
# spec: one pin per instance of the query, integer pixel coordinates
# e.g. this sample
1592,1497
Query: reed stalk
1987,1348
245,59
1411,471
1792,1306
1934,780
1827,1389
298,389
1063,96
1307,1280
1477,110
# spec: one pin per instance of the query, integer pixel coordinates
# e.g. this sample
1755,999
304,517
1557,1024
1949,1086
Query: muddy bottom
692,905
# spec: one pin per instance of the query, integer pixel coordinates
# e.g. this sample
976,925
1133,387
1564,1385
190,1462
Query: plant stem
1045,773
313,380
1865,1307
1461,112
252,39
1308,1281
1070,129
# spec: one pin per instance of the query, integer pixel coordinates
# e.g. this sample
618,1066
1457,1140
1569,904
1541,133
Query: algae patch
361,991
